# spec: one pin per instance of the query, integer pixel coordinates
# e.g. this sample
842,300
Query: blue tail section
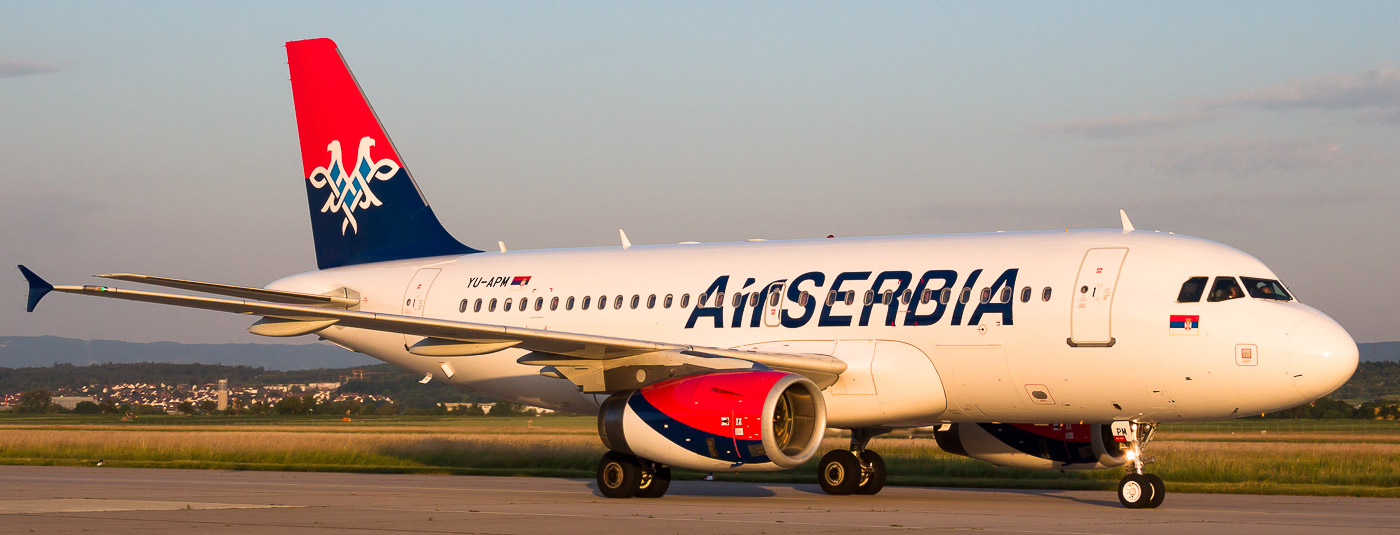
365,206
38,288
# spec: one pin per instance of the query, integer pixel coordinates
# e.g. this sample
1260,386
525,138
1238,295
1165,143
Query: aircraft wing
582,358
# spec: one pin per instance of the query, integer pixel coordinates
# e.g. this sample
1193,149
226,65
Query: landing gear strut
855,470
625,476
1137,489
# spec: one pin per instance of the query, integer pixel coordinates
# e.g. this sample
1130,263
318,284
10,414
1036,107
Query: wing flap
261,294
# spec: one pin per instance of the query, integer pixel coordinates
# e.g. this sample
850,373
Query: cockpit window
1265,289
1192,289
1225,289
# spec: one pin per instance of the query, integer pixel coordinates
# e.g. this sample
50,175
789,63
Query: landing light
1131,455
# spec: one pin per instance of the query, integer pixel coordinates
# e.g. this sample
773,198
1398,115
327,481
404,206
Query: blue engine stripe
695,440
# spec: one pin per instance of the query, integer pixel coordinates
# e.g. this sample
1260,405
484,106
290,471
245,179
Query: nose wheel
1138,489
625,476
855,470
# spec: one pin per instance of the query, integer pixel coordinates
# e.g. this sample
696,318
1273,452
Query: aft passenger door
1091,312
415,297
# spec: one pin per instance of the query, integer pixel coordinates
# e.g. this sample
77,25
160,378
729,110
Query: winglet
1127,225
38,288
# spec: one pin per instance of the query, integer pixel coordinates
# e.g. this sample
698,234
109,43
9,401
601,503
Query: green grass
1216,457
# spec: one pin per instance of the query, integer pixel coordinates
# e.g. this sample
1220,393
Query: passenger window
850,297
539,303
666,303
908,294
738,299
617,303
1225,289
887,297
802,299
1026,294
602,302
636,300
685,300
1266,289
926,296
651,301
554,304
1006,294
700,300
462,308
492,307
1192,289
965,295
1045,294
569,303
944,295
754,298
831,298
986,295
507,305
774,295
719,298
869,296
587,300
476,307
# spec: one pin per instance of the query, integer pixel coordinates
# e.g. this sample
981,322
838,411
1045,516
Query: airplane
1054,350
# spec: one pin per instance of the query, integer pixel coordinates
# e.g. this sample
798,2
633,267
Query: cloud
1378,88
10,68
1245,157
1120,126
1374,95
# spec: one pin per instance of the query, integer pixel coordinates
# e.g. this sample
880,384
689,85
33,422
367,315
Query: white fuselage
1099,349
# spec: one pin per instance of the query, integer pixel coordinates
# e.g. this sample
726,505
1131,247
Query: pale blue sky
159,137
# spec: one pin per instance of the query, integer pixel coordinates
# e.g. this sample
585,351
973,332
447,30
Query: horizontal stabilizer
276,296
38,288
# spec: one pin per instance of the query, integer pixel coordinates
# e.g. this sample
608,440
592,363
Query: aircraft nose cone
1324,356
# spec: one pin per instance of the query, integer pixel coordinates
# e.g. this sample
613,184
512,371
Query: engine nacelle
730,421
1038,447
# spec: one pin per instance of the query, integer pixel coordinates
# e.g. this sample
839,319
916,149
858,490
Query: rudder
365,206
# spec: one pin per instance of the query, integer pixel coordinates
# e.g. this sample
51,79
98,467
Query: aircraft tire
654,482
618,475
1159,491
876,480
1134,491
839,472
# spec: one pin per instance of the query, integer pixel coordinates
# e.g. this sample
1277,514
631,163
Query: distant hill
41,351
1380,352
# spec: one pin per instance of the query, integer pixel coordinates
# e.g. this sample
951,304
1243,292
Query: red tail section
365,206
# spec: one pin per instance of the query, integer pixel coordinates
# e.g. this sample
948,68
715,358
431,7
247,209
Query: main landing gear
625,476
855,470
1139,490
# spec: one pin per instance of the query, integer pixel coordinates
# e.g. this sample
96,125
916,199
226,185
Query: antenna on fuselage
626,243
1127,225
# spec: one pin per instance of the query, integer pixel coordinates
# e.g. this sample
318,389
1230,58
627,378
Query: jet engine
731,421
1034,446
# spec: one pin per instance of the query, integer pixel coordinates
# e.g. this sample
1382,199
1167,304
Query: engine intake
733,421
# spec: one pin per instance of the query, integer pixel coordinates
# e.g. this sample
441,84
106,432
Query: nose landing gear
1139,490
855,470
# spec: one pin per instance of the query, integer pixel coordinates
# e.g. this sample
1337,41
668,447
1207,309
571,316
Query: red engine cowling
1039,447
732,421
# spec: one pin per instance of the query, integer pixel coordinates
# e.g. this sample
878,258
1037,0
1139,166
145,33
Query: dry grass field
1257,457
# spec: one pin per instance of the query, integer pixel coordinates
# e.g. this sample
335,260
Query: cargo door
1091,312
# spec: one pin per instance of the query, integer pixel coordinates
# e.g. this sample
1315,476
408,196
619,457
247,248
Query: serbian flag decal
1185,325
520,281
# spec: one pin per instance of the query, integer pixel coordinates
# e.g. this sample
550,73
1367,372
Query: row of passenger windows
1227,288
738,299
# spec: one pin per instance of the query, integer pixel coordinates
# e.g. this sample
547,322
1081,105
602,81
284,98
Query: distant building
223,395
70,402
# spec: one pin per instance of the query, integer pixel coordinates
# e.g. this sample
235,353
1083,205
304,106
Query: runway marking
98,505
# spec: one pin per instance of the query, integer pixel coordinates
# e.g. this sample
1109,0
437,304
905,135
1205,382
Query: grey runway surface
117,500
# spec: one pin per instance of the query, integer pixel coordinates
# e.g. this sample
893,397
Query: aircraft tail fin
365,206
